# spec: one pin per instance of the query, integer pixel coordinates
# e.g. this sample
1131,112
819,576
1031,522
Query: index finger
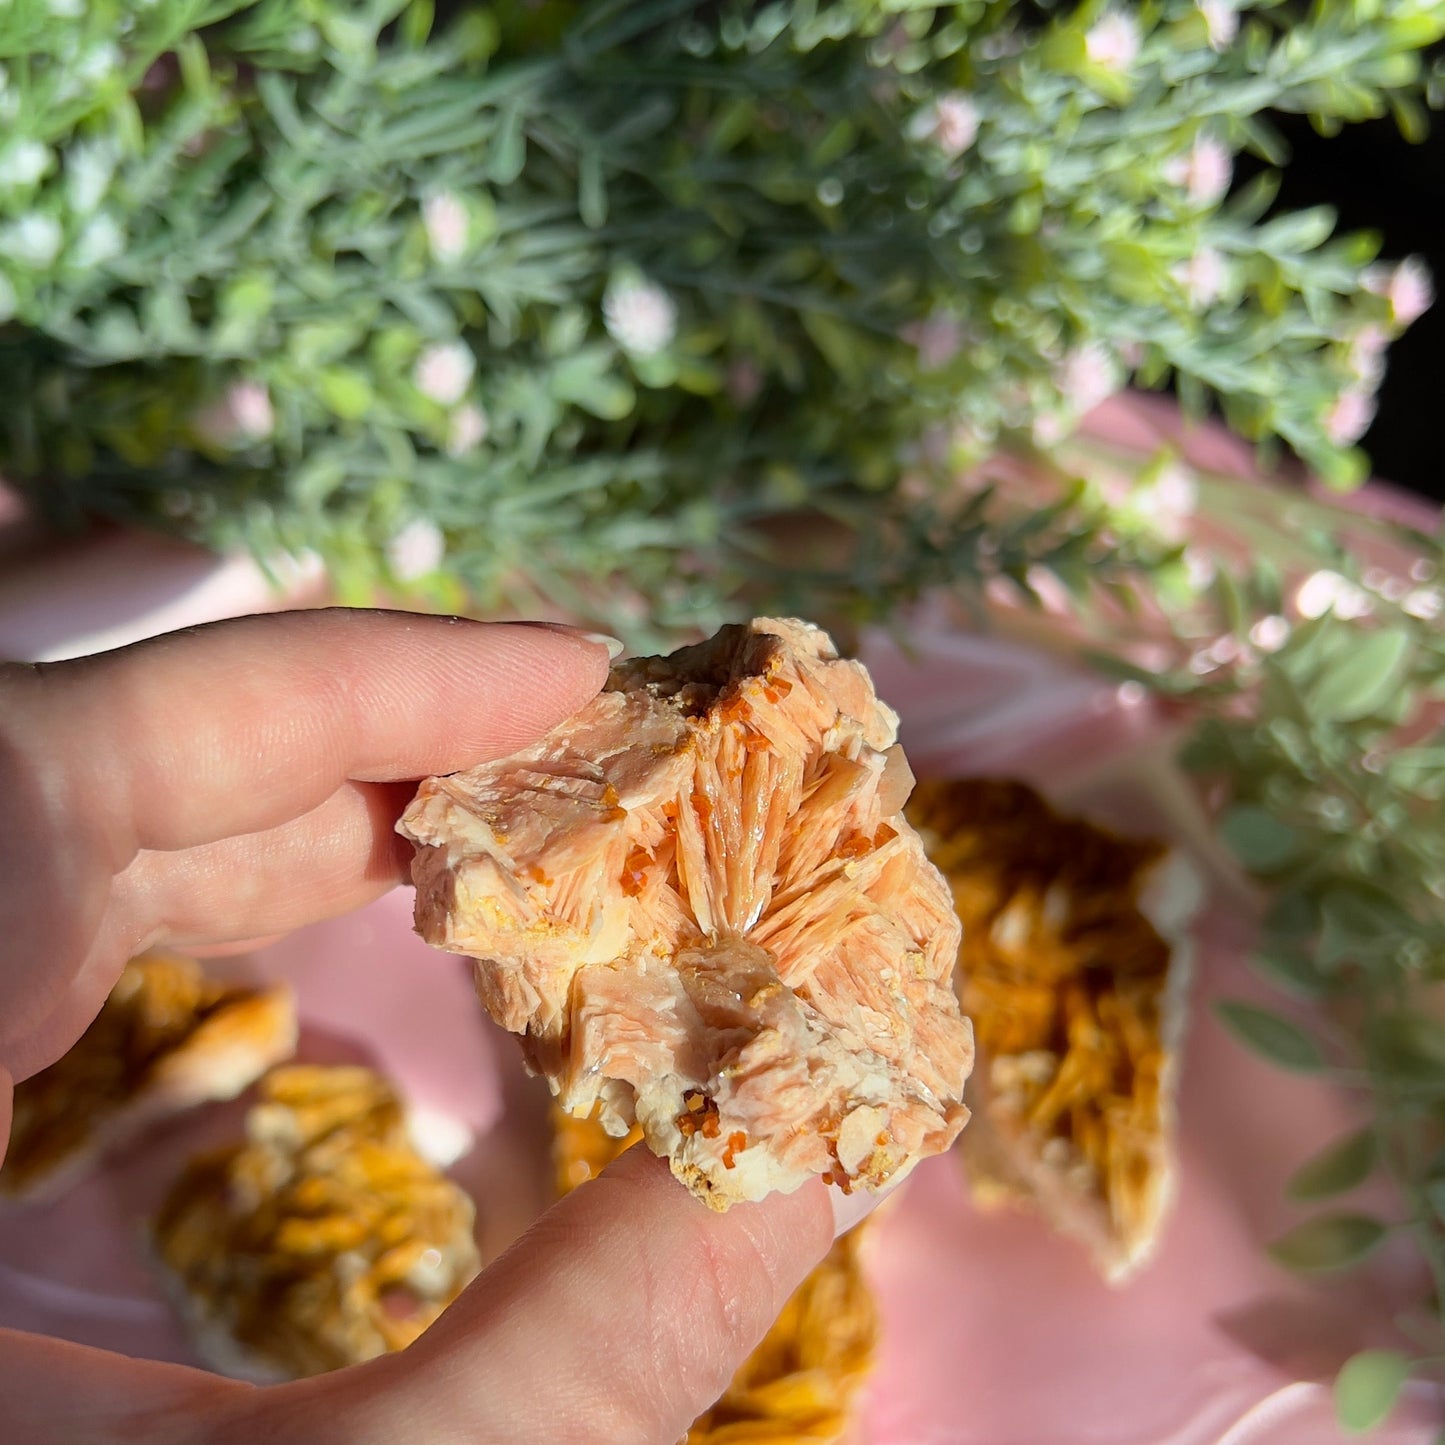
240,726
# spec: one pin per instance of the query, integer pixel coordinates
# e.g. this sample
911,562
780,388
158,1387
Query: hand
233,782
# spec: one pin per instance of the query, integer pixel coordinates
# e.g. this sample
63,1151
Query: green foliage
710,268
1367,1387
1319,685
1328,1242
1272,1037
1342,1166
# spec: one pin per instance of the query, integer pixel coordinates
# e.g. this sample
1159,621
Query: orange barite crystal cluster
700,905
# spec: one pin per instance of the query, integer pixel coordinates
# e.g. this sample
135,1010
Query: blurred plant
1308,643
599,296
1336,776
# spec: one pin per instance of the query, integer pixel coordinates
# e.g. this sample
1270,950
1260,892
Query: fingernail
614,645
854,1208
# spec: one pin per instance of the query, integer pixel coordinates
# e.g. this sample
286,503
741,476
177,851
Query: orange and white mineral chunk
168,1039
320,1239
1074,970
699,904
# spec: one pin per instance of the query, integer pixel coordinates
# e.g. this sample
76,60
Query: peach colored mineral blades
167,1039
320,1240
700,905
802,1382
1076,989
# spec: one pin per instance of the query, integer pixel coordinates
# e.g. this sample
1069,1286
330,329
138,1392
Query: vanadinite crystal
1077,999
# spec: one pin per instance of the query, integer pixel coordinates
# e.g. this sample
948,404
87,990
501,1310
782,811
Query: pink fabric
996,1333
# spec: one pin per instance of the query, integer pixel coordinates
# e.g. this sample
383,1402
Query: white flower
445,218
84,72
1271,633
89,166
250,404
1204,173
97,62
102,240
23,162
1366,354
937,338
1406,287
1202,276
1199,568
1223,650
1113,41
33,240
467,430
1168,502
242,415
951,122
1221,21
640,317
1349,418
8,300
1327,591
1088,376
1049,429
416,550
1425,603
444,371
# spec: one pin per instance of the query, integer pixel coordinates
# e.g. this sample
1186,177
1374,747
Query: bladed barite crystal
699,904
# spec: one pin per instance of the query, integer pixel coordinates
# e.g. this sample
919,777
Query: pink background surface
996,1333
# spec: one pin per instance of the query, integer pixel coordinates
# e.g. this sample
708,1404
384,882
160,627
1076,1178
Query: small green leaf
1358,923
1271,1036
1291,969
1330,1241
1297,232
1343,1165
416,23
1258,839
591,190
1367,1387
586,380
1362,678
509,148
1410,1049
345,391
